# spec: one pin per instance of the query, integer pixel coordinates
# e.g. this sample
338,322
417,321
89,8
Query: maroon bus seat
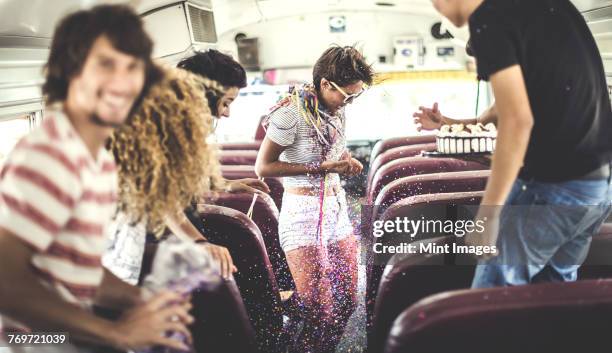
551,317
238,171
438,206
405,167
473,180
395,154
265,216
233,172
436,273
255,277
241,146
598,263
238,157
408,207
221,321
410,278
387,144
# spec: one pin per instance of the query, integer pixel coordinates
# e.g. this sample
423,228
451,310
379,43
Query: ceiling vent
202,24
181,27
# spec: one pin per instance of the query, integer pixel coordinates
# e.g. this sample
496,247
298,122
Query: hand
488,237
221,254
147,324
341,167
428,119
355,166
250,186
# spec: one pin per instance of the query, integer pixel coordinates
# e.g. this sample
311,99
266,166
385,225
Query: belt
601,172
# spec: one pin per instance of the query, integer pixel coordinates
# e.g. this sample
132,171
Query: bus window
11,130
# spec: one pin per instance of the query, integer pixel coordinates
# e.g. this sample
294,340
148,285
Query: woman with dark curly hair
224,70
221,68
163,161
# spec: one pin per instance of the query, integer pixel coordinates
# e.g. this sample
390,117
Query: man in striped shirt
58,192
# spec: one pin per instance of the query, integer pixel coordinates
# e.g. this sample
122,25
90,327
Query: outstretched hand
428,118
221,254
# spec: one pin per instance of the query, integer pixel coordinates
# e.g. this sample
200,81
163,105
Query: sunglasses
348,98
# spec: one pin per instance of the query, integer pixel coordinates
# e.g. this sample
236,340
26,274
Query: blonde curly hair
162,155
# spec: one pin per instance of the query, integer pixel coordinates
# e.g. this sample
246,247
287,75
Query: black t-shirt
565,79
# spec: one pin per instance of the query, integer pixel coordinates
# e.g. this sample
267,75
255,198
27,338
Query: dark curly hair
75,35
342,65
216,66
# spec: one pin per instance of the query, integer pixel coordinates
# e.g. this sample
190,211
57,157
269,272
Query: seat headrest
238,157
552,317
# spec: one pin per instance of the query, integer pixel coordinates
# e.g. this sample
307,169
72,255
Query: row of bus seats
246,314
396,180
263,283
420,302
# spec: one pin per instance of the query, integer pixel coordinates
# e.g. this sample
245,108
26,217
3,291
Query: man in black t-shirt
554,146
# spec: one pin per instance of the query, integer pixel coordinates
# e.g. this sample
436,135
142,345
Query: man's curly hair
163,158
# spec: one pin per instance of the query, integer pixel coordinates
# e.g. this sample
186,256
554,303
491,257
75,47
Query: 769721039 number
31,339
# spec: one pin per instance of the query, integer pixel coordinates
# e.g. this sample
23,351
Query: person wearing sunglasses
305,144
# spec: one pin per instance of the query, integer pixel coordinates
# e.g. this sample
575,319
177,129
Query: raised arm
432,118
514,130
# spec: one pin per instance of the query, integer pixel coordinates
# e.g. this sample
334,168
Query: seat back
405,167
242,146
265,216
598,263
397,290
437,273
402,188
395,154
221,321
238,157
552,317
440,206
386,144
233,172
255,277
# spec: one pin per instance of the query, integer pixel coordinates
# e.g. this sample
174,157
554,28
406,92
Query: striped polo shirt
57,198
288,128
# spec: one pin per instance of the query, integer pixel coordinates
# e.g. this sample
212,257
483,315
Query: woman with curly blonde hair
163,161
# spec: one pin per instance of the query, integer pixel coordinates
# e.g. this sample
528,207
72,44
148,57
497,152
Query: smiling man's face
108,84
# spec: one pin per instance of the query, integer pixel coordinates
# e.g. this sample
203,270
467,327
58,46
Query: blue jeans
545,232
